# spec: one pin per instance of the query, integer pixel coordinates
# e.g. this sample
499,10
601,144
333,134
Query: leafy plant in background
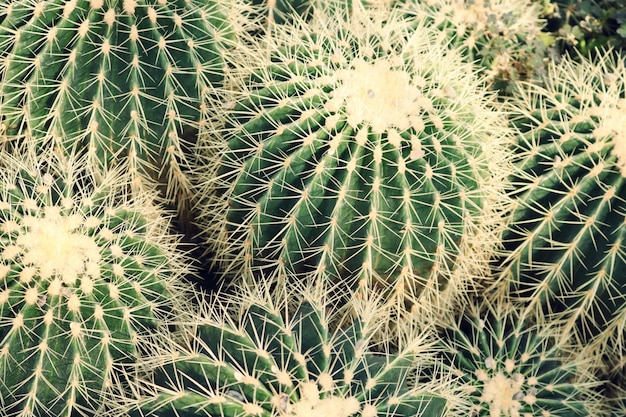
280,352
566,241
86,278
584,25
359,150
122,82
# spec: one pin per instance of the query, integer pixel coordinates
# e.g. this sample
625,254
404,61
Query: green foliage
356,152
513,366
85,278
285,355
120,81
566,243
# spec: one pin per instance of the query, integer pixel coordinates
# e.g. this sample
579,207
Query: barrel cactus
514,366
566,242
503,36
358,150
120,81
285,354
84,278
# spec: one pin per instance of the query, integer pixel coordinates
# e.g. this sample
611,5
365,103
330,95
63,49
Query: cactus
285,354
360,152
513,366
502,36
566,242
120,81
85,278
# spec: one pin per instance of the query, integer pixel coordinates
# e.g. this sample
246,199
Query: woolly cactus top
513,366
358,148
284,355
84,276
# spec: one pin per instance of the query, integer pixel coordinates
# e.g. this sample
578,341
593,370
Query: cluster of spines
512,364
120,81
85,278
565,245
284,354
356,153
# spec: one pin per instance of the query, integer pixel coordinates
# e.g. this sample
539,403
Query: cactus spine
566,243
360,152
120,81
84,280
285,355
513,366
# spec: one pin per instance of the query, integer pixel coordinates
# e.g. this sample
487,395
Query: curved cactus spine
85,278
357,152
121,81
566,243
513,366
285,355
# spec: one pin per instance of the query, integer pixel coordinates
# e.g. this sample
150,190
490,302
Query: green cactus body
283,358
514,367
502,36
566,243
358,152
82,281
121,81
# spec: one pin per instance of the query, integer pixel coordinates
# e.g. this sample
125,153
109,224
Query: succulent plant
85,277
503,36
120,81
513,366
358,150
566,242
286,354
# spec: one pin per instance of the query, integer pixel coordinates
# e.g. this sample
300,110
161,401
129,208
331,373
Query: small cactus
121,81
286,355
513,366
357,151
566,243
84,279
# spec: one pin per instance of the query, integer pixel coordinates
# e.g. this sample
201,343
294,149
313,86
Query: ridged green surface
285,358
84,278
122,81
502,36
513,366
358,151
566,243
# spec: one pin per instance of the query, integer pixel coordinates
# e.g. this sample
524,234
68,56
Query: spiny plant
504,37
356,149
513,366
566,243
121,80
85,278
278,352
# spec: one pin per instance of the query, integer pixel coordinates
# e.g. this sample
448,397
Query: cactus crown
84,278
513,366
356,152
